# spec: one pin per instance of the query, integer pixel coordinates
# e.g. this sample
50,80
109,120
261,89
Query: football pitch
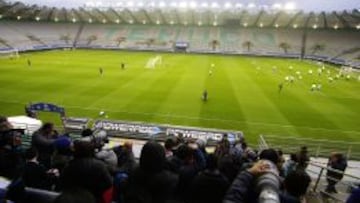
243,92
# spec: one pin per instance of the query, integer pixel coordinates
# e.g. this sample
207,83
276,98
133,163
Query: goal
12,53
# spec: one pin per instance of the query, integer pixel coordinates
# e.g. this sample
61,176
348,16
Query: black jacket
87,173
35,176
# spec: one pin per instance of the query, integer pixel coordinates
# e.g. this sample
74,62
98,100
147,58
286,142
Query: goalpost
12,53
154,62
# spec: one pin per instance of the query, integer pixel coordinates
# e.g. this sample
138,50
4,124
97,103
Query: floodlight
172,22
358,27
277,6
185,23
238,5
183,4
37,18
336,27
144,22
140,4
162,4
18,17
214,5
314,26
90,20
193,4
56,19
295,26
130,4
227,5
261,25
251,5
245,24
152,4
199,23
117,21
158,22
74,20
131,21
173,4
204,5
290,6
276,25
215,23
104,20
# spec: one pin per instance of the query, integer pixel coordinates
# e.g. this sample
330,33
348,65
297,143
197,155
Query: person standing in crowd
338,162
151,182
35,175
86,172
209,185
43,140
303,158
290,165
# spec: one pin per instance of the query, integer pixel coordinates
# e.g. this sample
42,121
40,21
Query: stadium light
185,23
204,5
358,27
117,21
131,21
336,27
290,6
276,25
251,5
276,6
193,4
37,18
171,22
245,24
90,20
56,19
158,22
140,4
314,26
173,4
162,4
261,25
215,23
144,22
295,26
227,5
74,20
104,21
238,5
130,4
199,23
214,5
18,17
183,4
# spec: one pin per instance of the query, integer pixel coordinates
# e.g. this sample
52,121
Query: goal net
13,53
154,62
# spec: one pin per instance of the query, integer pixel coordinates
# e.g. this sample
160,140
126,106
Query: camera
268,185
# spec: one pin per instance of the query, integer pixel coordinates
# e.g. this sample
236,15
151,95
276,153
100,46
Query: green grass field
243,91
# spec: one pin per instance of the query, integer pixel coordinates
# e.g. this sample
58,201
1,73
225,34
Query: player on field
210,72
281,85
122,66
101,71
205,96
29,62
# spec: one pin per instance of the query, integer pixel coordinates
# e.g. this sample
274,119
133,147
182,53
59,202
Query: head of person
293,157
128,146
303,150
185,153
152,157
84,149
31,154
5,125
270,155
47,128
296,183
170,143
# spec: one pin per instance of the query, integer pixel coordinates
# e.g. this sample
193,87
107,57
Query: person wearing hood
151,182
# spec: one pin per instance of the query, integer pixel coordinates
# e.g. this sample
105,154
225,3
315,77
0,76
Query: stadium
280,75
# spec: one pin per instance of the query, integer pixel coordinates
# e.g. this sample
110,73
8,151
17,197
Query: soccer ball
101,113
310,71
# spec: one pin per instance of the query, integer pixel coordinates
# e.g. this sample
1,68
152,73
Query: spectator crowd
178,171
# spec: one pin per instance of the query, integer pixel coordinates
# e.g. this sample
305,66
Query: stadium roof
212,14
